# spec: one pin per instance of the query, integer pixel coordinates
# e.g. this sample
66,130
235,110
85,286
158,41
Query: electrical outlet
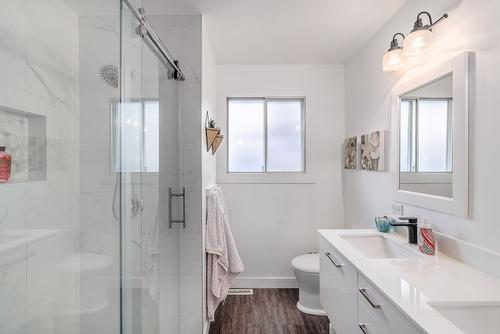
397,209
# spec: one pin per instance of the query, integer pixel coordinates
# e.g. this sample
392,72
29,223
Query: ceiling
281,31
285,31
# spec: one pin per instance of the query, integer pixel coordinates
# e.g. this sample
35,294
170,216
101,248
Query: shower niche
23,135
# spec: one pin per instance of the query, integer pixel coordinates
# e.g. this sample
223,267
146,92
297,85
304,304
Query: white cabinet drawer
367,323
390,319
338,289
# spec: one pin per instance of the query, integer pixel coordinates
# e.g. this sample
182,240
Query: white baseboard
265,282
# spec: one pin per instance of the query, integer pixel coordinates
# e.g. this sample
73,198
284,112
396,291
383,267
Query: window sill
266,178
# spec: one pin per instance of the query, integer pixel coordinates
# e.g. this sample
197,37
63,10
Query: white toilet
306,269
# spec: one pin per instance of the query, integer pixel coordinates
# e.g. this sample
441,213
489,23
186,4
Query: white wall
473,26
275,217
208,103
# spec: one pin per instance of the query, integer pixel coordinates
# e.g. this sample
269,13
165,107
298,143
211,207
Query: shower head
110,74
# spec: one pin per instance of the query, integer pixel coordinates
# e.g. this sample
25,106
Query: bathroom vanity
377,283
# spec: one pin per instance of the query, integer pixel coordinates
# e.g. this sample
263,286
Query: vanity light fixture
394,59
419,40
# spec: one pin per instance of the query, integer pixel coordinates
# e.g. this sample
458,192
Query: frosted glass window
246,135
433,136
266,135
136,146
284,136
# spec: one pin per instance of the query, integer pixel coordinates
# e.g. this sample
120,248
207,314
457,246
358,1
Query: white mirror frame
458,205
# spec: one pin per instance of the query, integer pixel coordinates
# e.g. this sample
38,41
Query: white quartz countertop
413,284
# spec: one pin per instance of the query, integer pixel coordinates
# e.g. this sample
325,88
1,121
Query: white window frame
265,99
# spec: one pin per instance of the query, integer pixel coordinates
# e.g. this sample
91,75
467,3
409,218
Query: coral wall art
351,153
373,151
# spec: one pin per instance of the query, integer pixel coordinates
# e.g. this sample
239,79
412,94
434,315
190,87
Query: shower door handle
171,196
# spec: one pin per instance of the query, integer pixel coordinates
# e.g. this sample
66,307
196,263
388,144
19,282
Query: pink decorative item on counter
5,165
426,241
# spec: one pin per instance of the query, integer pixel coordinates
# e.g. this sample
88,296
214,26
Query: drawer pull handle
329,256
363,292
363,328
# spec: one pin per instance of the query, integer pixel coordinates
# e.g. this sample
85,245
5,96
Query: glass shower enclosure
92,210
152,203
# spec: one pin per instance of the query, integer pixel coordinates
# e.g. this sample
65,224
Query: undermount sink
472,318
377,246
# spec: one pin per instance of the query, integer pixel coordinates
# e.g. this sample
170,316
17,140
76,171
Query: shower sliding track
154,42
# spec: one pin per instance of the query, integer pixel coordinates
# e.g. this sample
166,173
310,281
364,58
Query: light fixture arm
445,16
420,26
394,41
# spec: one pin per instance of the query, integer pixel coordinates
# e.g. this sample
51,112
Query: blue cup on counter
384,224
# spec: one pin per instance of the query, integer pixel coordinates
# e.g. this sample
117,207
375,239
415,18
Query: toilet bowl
306,269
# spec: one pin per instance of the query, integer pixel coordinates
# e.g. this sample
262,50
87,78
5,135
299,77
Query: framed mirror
430,115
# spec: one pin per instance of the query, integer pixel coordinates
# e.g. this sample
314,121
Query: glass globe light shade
393,60
418,43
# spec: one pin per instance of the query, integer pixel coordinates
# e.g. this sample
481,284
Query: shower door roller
171,195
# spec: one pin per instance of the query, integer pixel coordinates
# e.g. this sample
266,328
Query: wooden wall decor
212,134
216,143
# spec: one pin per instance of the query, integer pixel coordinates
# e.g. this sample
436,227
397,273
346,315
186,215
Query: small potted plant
212,124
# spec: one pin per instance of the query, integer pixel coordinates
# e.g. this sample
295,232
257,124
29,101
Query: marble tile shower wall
39,220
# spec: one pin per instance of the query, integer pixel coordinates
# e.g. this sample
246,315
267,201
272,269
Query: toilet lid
307,262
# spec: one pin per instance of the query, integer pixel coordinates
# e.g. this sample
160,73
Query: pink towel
223,261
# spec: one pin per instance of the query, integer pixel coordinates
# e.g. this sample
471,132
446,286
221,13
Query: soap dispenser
426,241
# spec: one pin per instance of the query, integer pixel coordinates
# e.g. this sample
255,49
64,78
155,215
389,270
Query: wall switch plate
397,209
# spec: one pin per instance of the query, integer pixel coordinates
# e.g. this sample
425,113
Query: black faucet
412,228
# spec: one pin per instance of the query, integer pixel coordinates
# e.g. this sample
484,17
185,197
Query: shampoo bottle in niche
426,241
5,165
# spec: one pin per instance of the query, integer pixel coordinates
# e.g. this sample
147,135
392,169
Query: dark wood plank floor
267,311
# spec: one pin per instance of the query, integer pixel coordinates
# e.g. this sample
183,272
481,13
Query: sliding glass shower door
147,139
